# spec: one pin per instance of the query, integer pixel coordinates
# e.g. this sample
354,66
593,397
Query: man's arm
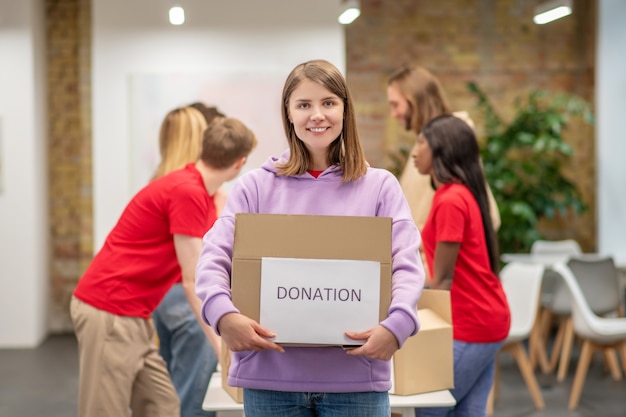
188,250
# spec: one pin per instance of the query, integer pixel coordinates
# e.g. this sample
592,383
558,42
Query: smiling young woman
323,172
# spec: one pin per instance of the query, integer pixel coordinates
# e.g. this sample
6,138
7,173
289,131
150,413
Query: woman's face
422,156
398,106
317,116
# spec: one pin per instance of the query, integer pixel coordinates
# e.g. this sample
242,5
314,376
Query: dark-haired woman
461,252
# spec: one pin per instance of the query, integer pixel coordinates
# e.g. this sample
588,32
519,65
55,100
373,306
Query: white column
24,277
610,128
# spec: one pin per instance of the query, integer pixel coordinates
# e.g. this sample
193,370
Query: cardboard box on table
235,392
260,236
425,361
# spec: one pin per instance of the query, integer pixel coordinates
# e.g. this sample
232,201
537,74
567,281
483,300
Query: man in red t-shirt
157,239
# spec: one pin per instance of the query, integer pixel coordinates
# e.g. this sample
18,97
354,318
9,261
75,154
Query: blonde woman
190,349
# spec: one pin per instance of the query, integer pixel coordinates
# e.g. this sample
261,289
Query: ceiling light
551,10
177,15
350,10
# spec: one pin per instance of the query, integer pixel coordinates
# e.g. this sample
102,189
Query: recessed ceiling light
350,10
551,10
177,15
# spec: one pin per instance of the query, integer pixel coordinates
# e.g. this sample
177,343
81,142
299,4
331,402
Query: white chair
599,282
554,305
522,285
598,333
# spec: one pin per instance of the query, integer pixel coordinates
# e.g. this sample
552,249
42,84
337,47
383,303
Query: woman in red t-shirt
462,256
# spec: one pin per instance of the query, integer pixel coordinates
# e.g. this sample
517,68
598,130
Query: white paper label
315,301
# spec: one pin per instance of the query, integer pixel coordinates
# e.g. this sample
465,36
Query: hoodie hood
271,163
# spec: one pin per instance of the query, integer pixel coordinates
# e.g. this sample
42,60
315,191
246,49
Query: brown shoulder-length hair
456,158
423,92
345,151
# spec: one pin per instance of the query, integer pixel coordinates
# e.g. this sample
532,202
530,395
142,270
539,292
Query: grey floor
44,381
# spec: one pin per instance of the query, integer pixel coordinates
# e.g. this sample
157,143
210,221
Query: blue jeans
262,403
189,356
474,364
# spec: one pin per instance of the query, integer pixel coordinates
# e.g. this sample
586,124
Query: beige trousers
121,371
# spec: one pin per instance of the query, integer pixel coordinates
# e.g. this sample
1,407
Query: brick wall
68,37
494,43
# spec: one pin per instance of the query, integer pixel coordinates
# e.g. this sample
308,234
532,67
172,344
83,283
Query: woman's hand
242,333
380,343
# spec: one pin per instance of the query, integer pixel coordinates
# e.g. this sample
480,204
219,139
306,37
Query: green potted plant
523,161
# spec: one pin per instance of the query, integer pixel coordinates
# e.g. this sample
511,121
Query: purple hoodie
313,369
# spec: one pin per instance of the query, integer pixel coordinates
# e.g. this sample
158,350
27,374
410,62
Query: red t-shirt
480,312
137,264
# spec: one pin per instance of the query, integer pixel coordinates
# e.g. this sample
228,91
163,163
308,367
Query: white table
218,400
545,259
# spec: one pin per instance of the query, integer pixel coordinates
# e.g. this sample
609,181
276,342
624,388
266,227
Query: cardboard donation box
235,393
331,272
302,268
425,361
